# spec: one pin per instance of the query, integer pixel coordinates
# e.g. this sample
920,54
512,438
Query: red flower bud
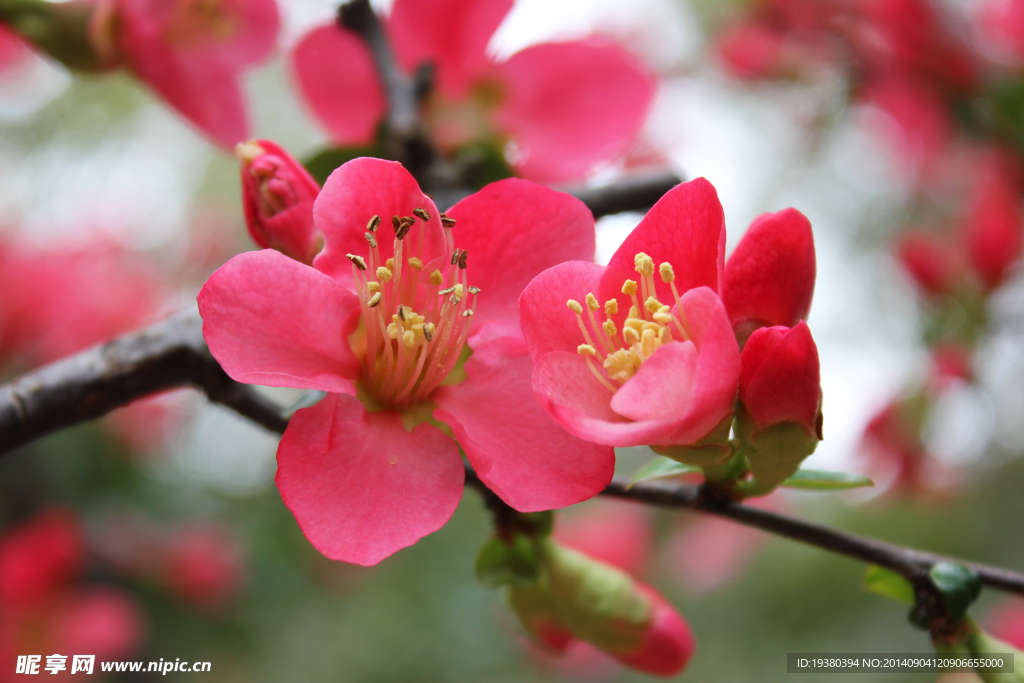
278,195
993,232
930,262
769,279
38,557
667,645
780,378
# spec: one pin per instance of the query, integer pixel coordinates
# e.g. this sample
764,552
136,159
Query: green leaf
662,467
819,480
323,163
960,586
889,584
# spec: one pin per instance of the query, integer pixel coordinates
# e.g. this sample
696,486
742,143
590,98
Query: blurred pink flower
614,532
1002,23
387,321
1006,622
203,564
565,105
192,53
13,50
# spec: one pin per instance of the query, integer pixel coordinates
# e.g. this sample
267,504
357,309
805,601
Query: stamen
463,257
586,350
629,288
371,239
421,213
474,290
611,307
467,313
373,224
447,222
652,305
415,263
666,272
436,278
574,306
374,300
384,274
358,261
390,263
644,264
456,256
396,223
631,336
428,331
373,286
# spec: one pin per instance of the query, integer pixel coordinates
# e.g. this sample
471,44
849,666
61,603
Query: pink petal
274,321
514,230
100,621
451,34
661,388
781,376
547,324
336,76
770,277
685,228
668,644
570,105
520,452
360,486
352,195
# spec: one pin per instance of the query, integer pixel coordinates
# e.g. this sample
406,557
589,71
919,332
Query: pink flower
614,532
392,321
192,53
752,51
993,231
769,279
780,378
930,261
634,370
203,564
1002,22
38,557
13,50
278,195
1007,622
565,105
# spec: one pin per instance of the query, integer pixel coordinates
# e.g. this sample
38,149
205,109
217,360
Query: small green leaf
819,480
660,468
323,163
960,586
889,584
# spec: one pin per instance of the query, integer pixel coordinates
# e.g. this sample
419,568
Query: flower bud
994,233
779,418
594,602
278,195
931,263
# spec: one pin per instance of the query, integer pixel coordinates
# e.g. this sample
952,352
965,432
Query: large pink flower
565,105
634,370
392,321
191,52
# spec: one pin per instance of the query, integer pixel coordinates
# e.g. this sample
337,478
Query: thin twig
173,354
629,194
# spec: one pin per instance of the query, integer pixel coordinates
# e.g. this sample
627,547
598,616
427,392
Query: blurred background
891,124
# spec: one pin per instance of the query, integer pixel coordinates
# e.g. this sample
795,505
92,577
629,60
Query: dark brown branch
173,354
406,139
630,194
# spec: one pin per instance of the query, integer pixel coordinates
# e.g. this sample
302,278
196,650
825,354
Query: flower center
415,326
197,20
614,356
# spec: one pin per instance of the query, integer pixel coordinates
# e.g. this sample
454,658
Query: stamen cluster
644,331
409,353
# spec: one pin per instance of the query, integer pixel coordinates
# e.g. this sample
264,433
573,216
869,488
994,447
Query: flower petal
514,230
781,376
570,105
547,324
519,451
661,388
770,277
274,321
336,76
353,194
685,228
359,485
451,34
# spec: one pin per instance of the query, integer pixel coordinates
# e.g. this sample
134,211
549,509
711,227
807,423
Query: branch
172,354
630,194
406,138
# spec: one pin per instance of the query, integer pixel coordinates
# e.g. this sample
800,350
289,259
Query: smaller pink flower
1002,23
780,378
994,231
278,195
614,532
39,557
769,279
649,356
1006,622
932,263
565,105
203,564
192,53
408,318
753,51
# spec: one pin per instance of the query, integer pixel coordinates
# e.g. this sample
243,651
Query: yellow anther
428,331
664,309
390,263
373,286
393,330
662,318
359,261
652,305
648,343
249,151
611,307
586,350
631,336
644,264
374,300
609,328
653,327
664,335
436,278
574,306
592,302
629,287
384,274
409,339
635,323
666,272
416,263
621,365
458,289
467,313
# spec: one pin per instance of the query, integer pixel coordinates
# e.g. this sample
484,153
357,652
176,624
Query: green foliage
889,584
773,453
323,163
819,480
960,586
661,468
